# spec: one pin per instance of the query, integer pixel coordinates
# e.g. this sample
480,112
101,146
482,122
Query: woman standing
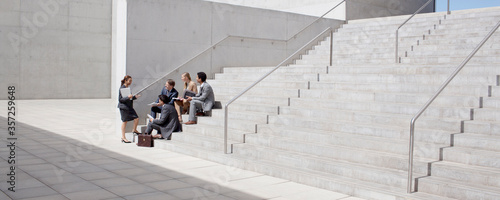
126,106
184,104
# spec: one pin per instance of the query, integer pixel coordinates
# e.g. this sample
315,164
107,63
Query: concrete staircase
346,127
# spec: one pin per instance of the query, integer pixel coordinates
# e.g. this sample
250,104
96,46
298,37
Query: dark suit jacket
169,121
173,94
206,95
124,102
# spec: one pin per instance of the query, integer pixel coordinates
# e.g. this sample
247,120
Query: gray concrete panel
360,9
10,5
51,43
9,18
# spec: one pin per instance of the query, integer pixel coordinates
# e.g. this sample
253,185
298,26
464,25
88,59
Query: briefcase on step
144,140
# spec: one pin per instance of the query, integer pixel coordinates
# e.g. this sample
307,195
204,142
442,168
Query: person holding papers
170,92
126,106
182,104
203,101
168,121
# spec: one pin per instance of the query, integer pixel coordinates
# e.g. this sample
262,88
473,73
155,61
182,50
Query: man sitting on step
168,122
203,101
171,93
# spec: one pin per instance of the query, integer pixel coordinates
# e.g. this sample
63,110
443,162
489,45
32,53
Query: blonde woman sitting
182,106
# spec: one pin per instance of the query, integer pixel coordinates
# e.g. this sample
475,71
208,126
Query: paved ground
70,149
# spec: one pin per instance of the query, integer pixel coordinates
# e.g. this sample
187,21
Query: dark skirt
128,114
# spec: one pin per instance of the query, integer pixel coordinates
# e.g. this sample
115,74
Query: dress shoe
200,114
190,122
157,137
125,141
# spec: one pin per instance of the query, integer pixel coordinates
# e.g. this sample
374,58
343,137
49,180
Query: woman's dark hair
202,76
125,79
164,98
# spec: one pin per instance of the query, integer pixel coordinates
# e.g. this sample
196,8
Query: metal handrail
262,78
414,119
232,36
418,11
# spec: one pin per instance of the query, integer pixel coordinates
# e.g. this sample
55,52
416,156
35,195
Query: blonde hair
187,76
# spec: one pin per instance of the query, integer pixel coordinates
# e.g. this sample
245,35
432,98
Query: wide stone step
376,130
255,91
341,167
263,84
472,24
294,68
268,99
450,124
437,79
475,90
472,156
449,50
424,17
236,135
487,114
392,25
241,107
477,141
251,117
335,183
242,125
359,96
395,20
381,107
321,180
274,76
457,190
201,141
480,53
441,59
482,127
291,139
466,173
494,101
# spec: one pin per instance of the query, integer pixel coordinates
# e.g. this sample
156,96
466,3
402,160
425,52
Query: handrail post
397,45
331,48
225,128
448,7
410,155
438,92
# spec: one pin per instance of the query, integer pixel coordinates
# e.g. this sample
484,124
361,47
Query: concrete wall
163,34
355,9
310,7
55,48
360,9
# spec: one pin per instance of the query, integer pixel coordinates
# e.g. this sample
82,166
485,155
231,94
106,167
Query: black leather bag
145,140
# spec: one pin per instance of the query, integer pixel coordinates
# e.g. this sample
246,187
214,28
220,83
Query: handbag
145,140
